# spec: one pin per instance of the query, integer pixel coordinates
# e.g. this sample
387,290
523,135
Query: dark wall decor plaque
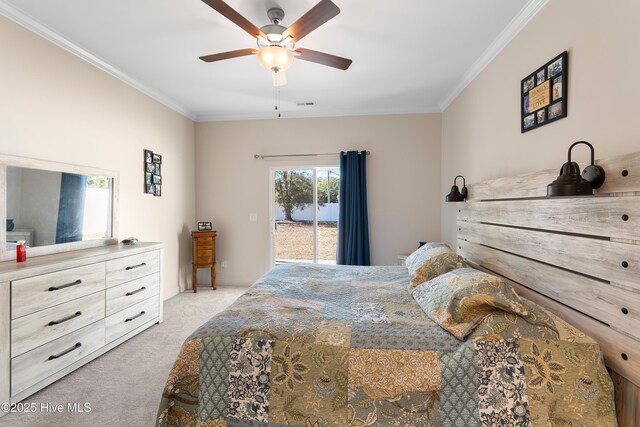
543,94
152,173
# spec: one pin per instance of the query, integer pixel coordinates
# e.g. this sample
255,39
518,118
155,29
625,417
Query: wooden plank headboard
579,257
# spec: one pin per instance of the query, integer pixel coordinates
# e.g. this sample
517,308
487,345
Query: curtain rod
264,156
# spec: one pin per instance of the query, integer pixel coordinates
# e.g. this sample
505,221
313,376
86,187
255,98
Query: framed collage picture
152,173
543,94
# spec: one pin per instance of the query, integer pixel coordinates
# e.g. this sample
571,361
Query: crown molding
516,25
309,114
19,17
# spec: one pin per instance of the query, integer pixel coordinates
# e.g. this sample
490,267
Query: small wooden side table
204,255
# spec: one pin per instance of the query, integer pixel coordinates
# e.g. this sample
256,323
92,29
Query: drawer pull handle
136,291
65,319
67,351
136,266
129,319
57,288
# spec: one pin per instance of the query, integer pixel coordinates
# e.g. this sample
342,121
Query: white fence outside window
328,212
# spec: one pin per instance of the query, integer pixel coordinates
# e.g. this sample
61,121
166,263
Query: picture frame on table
205,226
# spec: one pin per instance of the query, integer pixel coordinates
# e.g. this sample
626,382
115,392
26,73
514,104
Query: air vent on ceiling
305,104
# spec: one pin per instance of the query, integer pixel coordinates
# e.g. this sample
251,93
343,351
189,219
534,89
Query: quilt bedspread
312,346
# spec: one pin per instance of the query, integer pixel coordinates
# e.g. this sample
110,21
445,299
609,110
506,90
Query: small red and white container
21,251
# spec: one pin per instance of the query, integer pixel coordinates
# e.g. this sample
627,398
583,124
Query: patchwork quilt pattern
319,346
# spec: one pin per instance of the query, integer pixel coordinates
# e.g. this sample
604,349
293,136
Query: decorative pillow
430,261
460,299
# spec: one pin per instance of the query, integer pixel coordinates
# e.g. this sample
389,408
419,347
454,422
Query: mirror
46,207
54,207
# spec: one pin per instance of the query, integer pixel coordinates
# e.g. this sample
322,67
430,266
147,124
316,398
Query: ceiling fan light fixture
274,38
262,41
275,58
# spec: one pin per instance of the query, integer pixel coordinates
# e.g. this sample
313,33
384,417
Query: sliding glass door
304,214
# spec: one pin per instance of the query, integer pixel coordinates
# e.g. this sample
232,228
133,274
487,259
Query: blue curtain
353,222
73,189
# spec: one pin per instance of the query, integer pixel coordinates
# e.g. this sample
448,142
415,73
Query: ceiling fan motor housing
273,29
276,15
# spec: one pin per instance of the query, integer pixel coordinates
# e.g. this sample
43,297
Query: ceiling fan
276,43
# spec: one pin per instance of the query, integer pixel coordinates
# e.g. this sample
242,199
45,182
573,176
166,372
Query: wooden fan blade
324,59
228,12
316,16
227,55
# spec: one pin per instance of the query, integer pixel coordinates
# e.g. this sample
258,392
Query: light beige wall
56,107
403,178
481,132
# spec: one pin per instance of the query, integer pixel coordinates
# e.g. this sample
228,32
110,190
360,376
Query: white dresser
59,312
19,234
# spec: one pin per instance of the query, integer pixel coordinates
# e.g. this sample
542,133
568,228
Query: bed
578,257
316,345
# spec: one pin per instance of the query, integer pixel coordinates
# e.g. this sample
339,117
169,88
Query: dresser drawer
36,329
125,269
39,292
130,318
131,293
36,365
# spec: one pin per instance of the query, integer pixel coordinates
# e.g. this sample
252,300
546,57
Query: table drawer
204,244
36,365
39,292
205,252
129,268
130,318
131,293
204,260
29,332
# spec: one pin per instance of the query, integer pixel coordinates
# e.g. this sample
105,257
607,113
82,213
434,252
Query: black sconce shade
571,182
457,195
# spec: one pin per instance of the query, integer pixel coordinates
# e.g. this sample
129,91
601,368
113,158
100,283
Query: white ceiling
408,57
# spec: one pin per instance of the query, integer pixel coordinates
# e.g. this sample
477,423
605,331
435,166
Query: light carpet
124,386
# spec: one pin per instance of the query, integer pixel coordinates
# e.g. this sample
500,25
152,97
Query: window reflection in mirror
48,207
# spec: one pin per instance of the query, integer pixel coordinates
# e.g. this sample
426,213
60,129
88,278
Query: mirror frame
25,162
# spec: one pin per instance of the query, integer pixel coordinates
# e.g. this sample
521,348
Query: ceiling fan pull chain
276,76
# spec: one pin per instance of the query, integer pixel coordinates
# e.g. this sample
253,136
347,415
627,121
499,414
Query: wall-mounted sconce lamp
457,195
572,183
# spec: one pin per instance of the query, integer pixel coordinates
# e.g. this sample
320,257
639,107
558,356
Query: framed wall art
543,94
152,173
